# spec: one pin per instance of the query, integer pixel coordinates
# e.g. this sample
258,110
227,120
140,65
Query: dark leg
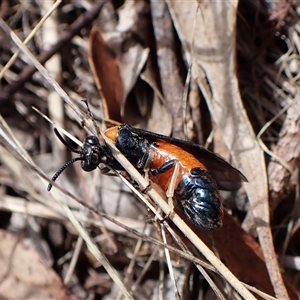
163,168
170,192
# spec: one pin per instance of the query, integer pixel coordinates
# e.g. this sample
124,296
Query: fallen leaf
23,273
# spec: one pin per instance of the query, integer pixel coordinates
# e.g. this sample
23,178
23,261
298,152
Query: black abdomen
199,199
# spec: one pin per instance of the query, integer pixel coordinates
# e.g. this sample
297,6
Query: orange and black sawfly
200,175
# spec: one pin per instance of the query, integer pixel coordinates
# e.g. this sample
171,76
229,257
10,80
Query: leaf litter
241,64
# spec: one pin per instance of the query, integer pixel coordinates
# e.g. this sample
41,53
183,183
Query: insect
200,175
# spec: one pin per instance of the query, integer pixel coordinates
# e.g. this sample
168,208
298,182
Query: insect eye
92,141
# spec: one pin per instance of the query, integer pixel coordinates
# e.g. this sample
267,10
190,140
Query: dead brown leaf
24,275
106,71
282,182
169,64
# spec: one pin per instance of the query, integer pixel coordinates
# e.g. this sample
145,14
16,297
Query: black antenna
91,155
65,142
61,170
69,162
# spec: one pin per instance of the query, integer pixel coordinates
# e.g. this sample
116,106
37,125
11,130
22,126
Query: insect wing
227,177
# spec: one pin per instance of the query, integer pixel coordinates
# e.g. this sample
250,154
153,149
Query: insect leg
170,191
163,168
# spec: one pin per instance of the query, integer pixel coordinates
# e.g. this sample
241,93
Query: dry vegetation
222,74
